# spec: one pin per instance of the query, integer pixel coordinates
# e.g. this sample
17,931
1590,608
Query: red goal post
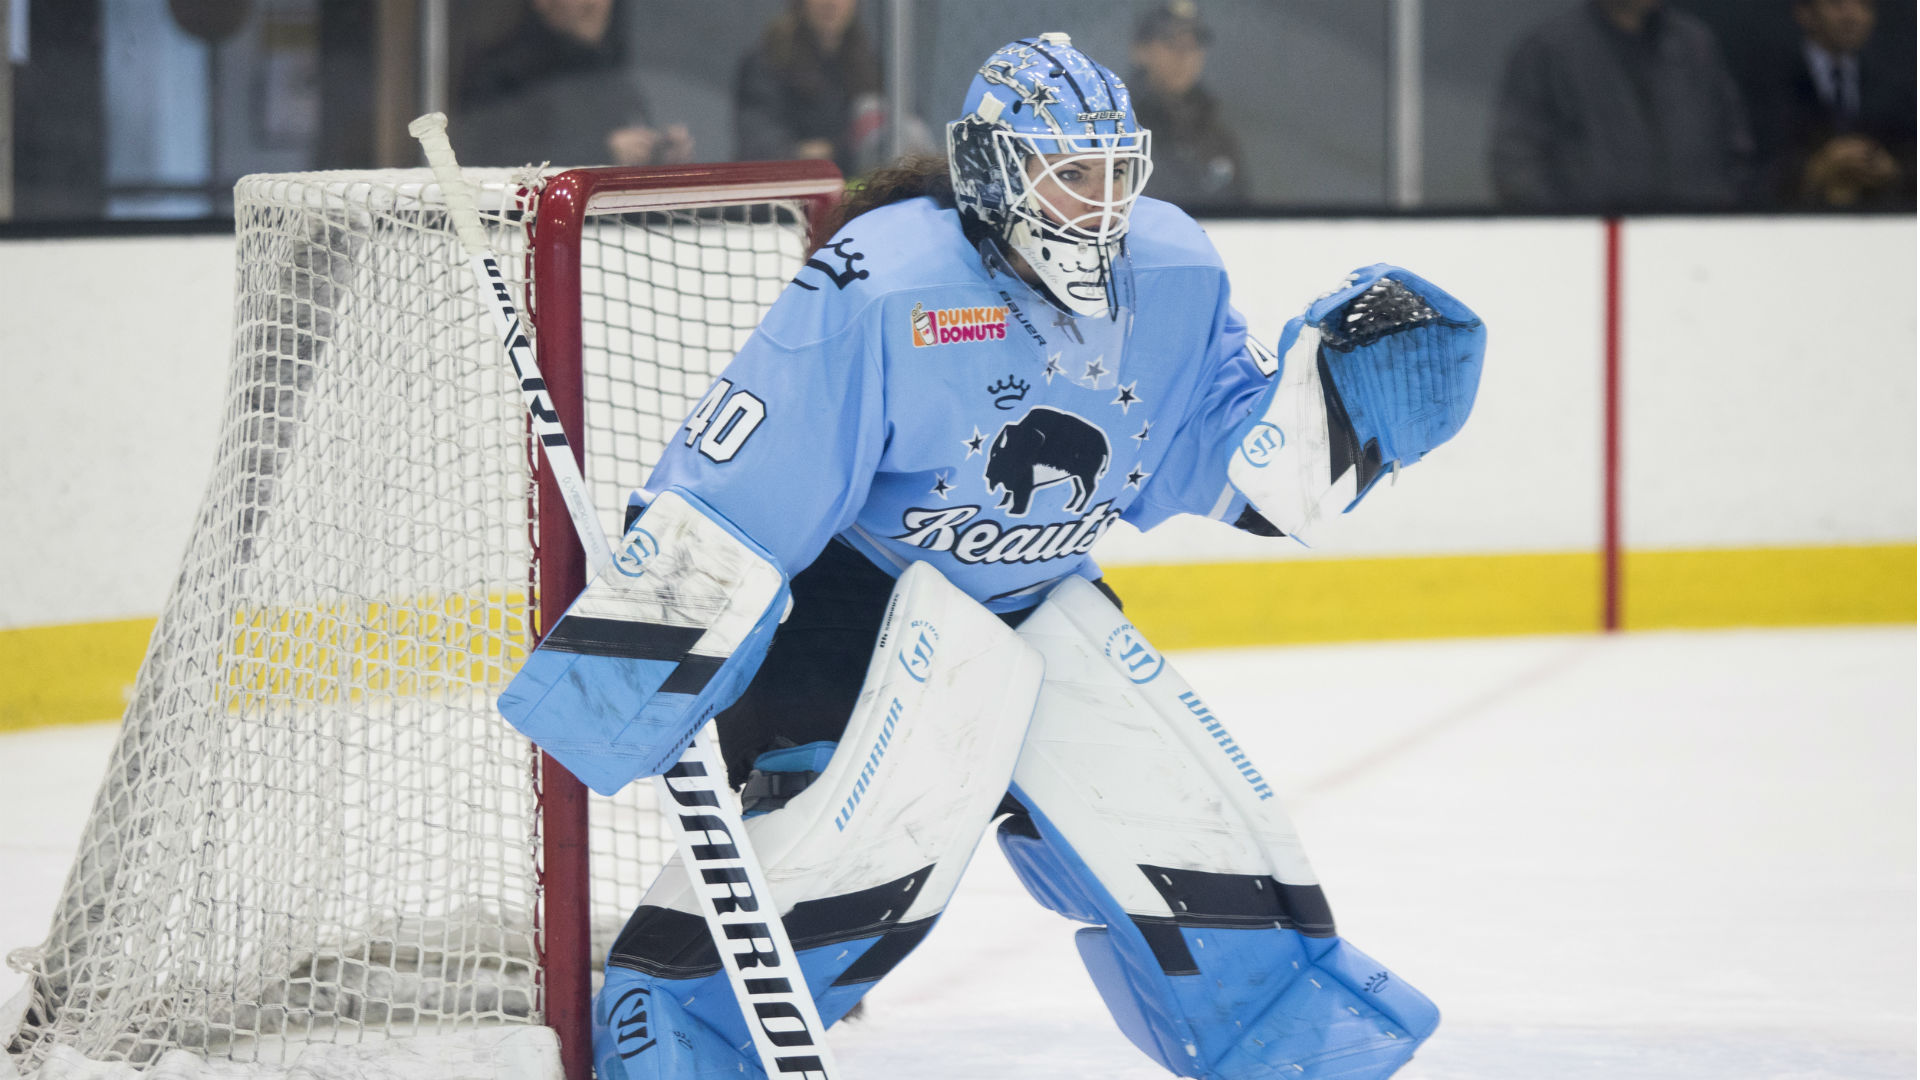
315,835
566,204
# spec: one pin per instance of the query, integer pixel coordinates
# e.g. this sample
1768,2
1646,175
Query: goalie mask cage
314,826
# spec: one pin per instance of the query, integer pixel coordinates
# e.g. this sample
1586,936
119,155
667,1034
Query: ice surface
1653,856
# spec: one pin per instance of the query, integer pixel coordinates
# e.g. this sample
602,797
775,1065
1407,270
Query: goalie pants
1242,977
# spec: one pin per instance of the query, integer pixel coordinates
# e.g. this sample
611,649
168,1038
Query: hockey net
314,827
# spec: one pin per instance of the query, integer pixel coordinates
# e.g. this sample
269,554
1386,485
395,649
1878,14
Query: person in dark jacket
810,88
558,89
1835,122
1620,105
1196,156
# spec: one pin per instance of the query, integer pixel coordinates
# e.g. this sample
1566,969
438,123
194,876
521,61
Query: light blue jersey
901,396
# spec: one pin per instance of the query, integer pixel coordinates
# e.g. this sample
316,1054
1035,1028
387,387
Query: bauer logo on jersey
916,654
632,557
1139,661
952,326
1261,444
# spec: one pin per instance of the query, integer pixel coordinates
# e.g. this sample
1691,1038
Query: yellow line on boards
1217,605
1768,587
69,674
84,672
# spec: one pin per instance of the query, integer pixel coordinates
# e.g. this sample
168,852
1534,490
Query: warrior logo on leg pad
1127,648
631,1034
916,651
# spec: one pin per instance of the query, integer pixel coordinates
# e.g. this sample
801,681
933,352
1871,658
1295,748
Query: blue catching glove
1402,358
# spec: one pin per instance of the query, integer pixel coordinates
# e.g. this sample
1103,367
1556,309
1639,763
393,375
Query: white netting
314,826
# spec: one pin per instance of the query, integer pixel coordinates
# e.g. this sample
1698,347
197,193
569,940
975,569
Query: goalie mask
1047,162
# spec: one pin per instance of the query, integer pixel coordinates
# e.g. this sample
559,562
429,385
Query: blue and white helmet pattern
1048,158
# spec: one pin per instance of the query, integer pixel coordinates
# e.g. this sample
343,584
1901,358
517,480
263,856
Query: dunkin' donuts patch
949,326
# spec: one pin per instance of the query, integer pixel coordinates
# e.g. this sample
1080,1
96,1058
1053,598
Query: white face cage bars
1082,187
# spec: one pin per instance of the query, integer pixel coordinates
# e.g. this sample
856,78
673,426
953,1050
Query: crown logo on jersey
842,277
1007,392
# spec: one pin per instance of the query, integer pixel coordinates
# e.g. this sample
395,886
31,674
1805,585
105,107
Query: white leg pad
1209,937
923,763
1134,768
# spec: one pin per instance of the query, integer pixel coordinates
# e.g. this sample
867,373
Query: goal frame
565,204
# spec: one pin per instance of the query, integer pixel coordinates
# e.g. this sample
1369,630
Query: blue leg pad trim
1226,1003
643,1030
654,1028
1108,968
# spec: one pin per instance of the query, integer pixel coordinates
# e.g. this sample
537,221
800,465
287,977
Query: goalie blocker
1131,808
652,648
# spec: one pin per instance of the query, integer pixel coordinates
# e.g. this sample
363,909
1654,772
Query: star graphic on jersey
1054,368
1135,475
941,487
1095,369
973,444
1127,399
1145,427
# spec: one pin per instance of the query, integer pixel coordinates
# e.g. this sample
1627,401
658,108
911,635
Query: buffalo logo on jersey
952,326
1043,448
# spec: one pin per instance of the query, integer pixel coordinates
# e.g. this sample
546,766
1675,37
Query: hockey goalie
866,553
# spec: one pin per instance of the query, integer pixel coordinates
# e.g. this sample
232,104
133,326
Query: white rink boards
1659,856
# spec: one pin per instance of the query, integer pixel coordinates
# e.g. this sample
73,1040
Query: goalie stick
739,910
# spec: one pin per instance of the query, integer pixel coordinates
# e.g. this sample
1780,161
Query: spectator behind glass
1196,158
810,88
557,89
1835,122
1620,105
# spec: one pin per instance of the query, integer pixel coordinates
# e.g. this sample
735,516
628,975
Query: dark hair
908,178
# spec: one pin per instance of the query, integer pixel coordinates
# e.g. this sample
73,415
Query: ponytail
908,178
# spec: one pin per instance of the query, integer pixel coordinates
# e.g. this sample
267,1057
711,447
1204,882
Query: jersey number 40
724,420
